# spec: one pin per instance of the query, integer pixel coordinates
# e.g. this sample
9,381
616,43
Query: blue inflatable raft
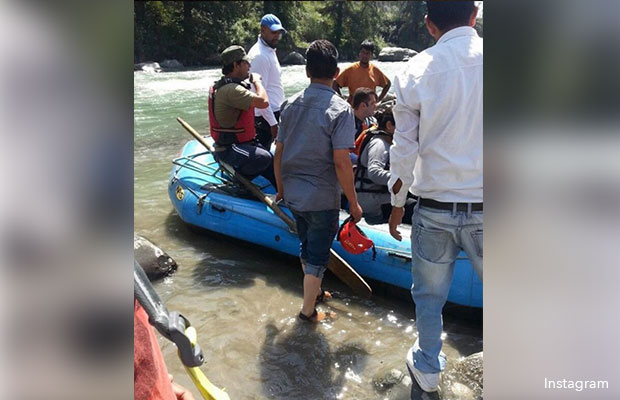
204,196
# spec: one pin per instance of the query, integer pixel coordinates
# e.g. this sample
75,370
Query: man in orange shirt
363,74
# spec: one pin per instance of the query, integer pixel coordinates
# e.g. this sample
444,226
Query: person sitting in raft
231,117
364,106
373,172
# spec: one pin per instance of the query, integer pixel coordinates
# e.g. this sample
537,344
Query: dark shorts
316,230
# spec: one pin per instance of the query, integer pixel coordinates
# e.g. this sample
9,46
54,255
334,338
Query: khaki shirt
230,99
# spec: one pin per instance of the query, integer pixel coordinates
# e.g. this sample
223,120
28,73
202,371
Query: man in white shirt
437,156
265,63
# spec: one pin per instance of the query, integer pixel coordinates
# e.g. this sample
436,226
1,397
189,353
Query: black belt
449,206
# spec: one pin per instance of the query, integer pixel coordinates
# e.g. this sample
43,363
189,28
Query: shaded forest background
195,32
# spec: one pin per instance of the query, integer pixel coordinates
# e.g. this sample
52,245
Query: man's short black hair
368,45
227,69
384,117
322,59
449,14
362,95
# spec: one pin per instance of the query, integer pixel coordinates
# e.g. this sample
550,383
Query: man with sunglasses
265,63
231,116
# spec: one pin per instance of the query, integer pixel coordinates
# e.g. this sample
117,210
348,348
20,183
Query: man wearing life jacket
231,117
373,172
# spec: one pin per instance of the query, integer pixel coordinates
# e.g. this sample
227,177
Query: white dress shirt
265,62
438,114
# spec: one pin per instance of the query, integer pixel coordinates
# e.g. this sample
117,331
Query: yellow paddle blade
208,390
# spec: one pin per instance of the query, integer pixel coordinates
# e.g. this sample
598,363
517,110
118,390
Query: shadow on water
295,359
296,362
226,262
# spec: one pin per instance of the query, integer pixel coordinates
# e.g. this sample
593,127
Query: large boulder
294,58
396,54
214,60
171,64
148,66
470,370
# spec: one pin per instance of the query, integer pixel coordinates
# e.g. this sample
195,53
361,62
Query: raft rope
206,169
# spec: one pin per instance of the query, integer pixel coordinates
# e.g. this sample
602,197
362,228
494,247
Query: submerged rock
396,54
392,385
153,260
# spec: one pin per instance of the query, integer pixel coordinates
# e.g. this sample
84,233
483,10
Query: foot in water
323,295
317,316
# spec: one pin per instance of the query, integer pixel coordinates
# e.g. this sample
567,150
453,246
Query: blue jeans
316,230
437,236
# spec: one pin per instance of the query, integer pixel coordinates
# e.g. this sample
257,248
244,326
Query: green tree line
195,32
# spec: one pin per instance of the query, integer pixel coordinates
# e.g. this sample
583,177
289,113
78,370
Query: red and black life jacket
243,131
361,172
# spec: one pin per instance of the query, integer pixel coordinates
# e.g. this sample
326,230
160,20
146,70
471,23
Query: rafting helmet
353,239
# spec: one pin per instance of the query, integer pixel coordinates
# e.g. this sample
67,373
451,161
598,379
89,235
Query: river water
243,300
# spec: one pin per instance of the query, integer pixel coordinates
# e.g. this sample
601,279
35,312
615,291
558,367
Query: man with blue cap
266,64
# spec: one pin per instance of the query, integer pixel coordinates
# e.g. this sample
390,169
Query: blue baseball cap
272,22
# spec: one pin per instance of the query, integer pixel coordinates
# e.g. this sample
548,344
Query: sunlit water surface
243,300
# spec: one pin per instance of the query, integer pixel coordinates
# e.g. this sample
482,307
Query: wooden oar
336,264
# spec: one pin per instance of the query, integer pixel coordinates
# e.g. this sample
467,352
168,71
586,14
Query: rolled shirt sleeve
404,150
343,136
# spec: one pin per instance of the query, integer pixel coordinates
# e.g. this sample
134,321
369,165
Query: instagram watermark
577,386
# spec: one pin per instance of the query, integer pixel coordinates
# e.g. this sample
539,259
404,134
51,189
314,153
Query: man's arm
260,99
404,152
403,155
277,159
344,172
261,66
378,156
336,87
385,90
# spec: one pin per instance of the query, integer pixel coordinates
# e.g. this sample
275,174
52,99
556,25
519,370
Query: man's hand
179,391
279,196
255,77
396,217
274,131
356,211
